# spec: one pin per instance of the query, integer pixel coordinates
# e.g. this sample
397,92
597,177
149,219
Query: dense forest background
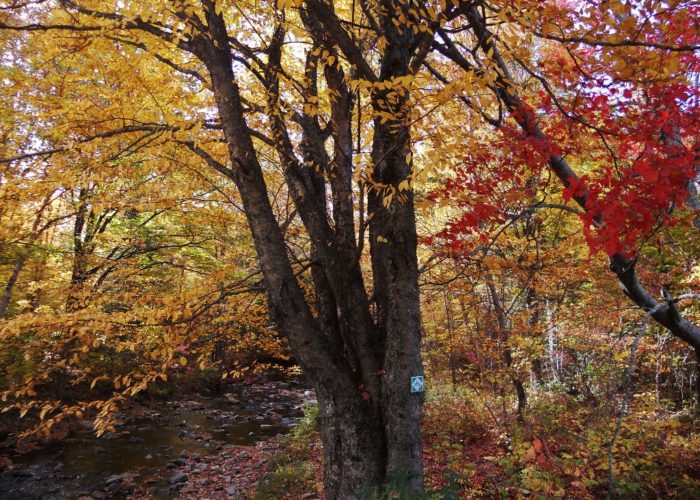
543,169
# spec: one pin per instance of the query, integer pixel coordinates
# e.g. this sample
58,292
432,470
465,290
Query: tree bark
354,446
503,335
11,282
450,338
22,258
360,365
393,242
697,381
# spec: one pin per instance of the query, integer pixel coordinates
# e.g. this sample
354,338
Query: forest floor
246,445
236,472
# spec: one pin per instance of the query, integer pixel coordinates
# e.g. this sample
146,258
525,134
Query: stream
147,446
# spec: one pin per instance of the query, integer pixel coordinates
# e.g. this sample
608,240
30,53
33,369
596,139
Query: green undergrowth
291,472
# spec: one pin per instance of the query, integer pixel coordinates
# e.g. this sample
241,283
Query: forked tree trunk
360,361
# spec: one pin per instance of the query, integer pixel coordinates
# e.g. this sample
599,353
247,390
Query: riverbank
237,472
197,446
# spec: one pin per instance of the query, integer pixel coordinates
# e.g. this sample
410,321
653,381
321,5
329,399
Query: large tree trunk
354,446
393,241
360,363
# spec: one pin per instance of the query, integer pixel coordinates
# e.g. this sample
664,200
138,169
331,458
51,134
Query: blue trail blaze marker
417,384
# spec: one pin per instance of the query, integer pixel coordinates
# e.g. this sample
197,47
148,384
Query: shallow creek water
149,445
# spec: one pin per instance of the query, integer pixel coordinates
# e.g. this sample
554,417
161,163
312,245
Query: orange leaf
537,445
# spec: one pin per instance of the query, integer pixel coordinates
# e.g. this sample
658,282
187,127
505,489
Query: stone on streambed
174,464
22,473
177,478
117,478
121,489
176,487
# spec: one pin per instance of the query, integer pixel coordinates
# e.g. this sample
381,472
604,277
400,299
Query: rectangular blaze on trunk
417,384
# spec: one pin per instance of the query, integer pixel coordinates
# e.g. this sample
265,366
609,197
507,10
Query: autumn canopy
303,179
